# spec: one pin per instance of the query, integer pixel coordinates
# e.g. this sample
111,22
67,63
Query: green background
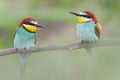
103,64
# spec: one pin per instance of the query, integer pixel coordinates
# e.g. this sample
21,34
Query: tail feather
87,48
24,57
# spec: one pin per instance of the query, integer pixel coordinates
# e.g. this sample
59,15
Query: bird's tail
24,57
87,47
88,50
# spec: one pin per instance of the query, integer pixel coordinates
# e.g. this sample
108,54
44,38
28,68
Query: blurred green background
103,64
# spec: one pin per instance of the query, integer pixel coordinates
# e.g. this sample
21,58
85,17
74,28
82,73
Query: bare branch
68,46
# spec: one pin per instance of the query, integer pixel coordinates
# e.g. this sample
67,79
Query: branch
68,46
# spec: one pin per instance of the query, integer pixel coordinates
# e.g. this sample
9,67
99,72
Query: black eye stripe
87,16
30,23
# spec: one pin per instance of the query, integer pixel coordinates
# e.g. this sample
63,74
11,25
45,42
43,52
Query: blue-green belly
86,32
23,39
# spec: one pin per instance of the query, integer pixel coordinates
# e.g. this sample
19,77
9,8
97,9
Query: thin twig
68,46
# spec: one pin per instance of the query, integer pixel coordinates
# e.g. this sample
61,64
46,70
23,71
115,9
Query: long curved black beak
74,13
40,25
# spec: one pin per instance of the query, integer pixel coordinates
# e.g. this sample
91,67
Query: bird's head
30,24
85,16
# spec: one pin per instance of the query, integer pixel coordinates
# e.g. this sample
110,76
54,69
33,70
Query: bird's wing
98,30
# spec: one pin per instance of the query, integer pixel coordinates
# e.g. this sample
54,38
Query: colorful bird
25,38
88,27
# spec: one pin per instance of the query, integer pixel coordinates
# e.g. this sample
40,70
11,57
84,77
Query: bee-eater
88,27
25,38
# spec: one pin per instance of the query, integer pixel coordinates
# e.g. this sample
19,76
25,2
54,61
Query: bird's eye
26,22
32,24
87,16
29,23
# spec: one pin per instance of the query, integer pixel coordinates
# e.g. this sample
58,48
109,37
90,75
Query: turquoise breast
86,32
23,39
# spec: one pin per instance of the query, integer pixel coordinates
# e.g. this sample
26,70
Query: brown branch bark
68,46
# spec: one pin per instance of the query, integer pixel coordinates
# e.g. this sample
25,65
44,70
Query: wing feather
98,30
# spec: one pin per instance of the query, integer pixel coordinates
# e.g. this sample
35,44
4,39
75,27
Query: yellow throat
82,19
30,28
